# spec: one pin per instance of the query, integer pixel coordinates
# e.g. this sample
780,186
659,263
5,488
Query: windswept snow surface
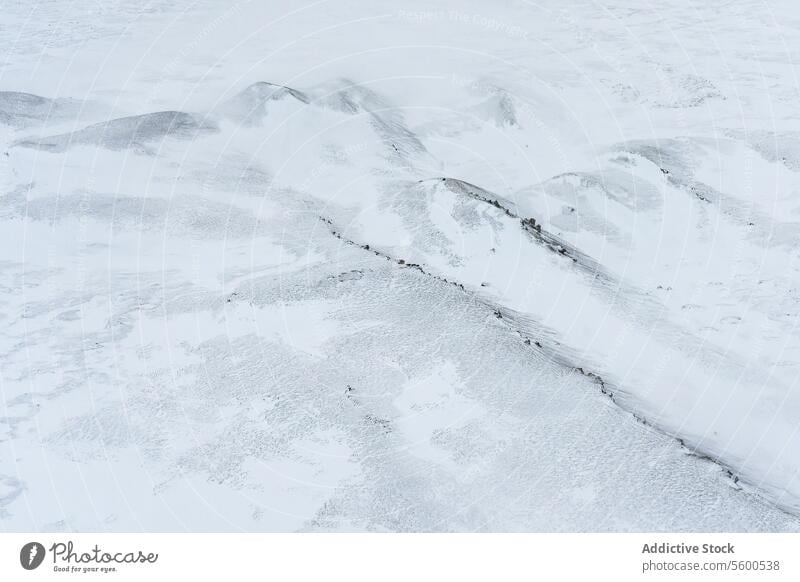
456,266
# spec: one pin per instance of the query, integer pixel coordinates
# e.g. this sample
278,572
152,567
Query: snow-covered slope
362,267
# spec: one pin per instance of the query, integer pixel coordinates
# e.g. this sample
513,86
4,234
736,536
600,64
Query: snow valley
286,268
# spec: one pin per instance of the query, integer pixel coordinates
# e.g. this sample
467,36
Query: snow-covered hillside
460,266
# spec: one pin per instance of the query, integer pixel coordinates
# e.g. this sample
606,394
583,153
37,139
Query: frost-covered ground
399,266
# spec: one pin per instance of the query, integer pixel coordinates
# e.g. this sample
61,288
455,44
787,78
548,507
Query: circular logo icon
31,555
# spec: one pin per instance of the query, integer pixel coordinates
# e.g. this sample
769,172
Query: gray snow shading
23,110
445,278
251,105
127,132
389,122
180,216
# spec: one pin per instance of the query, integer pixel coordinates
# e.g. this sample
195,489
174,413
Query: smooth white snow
370,266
